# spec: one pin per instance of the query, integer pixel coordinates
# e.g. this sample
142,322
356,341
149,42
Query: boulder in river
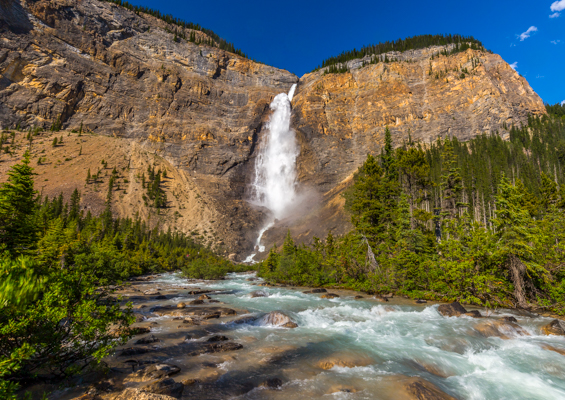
139,318
196,302
500,328
258,293
136,394
272,383
420,301
166,386
344,359
147,340
319,290
419,389
204,297
510,319
152,292
330,296
161,297
133,351
555,327
277,318
358,297
216,347
153,371
454,309
217,338
473,314
181,305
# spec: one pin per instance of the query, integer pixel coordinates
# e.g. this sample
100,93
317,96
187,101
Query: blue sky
298,34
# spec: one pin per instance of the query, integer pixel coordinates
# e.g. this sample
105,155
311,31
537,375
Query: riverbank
219,345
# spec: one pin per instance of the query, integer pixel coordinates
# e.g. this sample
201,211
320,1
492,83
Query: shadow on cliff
13,17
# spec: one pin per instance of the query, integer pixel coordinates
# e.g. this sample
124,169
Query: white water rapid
274,186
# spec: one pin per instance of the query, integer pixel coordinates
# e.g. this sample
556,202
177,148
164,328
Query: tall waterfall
275,167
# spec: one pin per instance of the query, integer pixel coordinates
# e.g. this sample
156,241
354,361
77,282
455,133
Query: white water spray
275,167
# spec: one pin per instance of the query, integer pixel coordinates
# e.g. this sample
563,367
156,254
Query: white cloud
523,36
563,103
514,65
554,15
540,76
558,5
555,41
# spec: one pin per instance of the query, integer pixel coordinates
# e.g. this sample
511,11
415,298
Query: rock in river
555,327
154,371
454,309
136,394
277,318
258,293
420,389
330,296
166,386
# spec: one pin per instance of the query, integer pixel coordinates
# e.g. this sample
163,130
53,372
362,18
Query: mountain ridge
103,68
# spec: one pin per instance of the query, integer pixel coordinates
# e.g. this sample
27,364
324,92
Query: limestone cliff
202,110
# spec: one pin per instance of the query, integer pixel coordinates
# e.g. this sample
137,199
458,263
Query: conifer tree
17,202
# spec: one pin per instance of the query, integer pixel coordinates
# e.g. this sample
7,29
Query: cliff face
116,73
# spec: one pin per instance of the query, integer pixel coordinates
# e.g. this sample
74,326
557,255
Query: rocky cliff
202,110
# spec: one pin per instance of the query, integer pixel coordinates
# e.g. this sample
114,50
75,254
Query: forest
462,43
481,222
58,266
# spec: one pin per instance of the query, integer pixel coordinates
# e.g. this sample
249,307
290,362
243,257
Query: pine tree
516,236
17,202
451,182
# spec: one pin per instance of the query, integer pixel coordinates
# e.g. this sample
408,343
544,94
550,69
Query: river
344,348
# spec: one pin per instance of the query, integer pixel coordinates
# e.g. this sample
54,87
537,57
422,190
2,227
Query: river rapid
343,348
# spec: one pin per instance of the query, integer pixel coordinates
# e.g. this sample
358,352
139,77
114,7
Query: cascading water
275,167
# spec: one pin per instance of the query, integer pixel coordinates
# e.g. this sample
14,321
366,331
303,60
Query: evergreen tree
17,203
516,236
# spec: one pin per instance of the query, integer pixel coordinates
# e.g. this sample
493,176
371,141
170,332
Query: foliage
449,224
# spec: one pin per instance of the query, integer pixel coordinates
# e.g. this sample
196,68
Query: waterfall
275,166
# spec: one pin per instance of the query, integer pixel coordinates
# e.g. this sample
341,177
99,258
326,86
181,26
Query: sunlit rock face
205,110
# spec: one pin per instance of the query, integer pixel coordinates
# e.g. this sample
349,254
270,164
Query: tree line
462,43
481,222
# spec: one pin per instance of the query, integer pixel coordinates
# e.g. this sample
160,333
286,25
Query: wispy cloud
558,5
555,41
563,103
524,35
514,65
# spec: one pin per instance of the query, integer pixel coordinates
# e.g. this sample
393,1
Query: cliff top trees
410,43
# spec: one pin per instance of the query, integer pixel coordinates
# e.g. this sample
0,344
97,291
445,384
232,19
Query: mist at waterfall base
275,186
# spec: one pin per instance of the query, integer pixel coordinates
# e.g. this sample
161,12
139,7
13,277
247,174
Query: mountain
150,93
